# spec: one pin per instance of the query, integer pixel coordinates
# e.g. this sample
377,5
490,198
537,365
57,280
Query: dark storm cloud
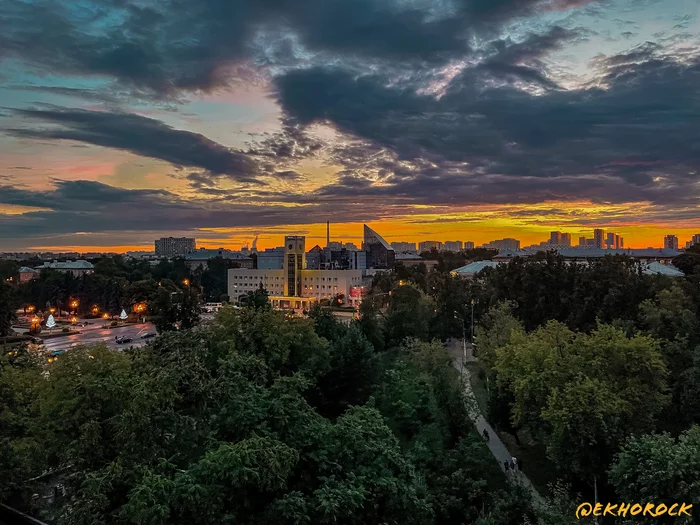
644,124
142,136
171,46
292,143
87,206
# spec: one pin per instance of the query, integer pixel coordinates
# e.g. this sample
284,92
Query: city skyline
447,120
608,240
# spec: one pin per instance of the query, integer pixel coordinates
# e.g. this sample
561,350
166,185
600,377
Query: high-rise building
380,254
581,242
294,263
404,247
599,238
174,246
555,238
468,245
694,240
610,240
565,239
427,246
503,244
452,246
671,242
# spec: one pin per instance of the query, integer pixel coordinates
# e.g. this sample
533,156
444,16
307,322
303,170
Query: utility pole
473,303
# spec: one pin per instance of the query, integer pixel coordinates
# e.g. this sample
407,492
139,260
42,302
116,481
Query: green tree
660,469
583,394
8,306
409,314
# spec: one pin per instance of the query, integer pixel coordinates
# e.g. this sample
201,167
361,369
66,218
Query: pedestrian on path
514,464
506,467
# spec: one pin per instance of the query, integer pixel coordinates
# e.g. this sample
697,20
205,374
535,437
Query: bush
113,324
35,329
65,330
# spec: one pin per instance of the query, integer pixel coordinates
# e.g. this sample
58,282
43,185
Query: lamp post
472,334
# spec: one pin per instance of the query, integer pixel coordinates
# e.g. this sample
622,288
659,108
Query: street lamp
74,304
186,282
52,310
74,319
472,334
31,309
105,315
95,309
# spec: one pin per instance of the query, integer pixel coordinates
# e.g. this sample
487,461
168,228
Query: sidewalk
496,446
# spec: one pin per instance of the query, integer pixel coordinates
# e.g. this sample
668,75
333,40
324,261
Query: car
37,340
123,339
57,352
148,335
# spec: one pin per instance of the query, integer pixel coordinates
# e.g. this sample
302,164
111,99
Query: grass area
538,468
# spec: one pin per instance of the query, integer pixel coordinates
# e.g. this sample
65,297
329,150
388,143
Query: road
496,446
97,334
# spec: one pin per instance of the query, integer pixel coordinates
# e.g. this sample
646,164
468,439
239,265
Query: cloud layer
397,104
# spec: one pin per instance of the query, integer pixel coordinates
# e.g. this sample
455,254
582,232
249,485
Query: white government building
294,286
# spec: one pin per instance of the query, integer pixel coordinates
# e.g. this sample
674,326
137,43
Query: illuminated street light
74,303
105,315
95,309
186,282
35,320
52,310
30,309
74,319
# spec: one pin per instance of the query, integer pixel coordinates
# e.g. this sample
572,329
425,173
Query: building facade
503,244
468,245
380,254
427,246
174,246
201,257
452,246
293,286
404,247
671,242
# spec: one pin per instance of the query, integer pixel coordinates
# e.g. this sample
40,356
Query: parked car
148,335
57,352
123,339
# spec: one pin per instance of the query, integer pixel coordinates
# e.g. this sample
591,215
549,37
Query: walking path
496,446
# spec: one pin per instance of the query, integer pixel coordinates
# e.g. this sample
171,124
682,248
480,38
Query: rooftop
474,267
204,255
656,268
67,265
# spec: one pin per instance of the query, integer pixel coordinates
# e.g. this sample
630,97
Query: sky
122,121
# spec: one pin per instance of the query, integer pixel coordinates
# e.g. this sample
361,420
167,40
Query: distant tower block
328,233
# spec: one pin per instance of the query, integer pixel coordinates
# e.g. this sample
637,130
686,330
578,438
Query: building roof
372,237
67,265
27,269
668,270
507,254
640,253
205,255
407,257
474,267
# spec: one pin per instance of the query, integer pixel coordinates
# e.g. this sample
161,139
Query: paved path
498,449
98,334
